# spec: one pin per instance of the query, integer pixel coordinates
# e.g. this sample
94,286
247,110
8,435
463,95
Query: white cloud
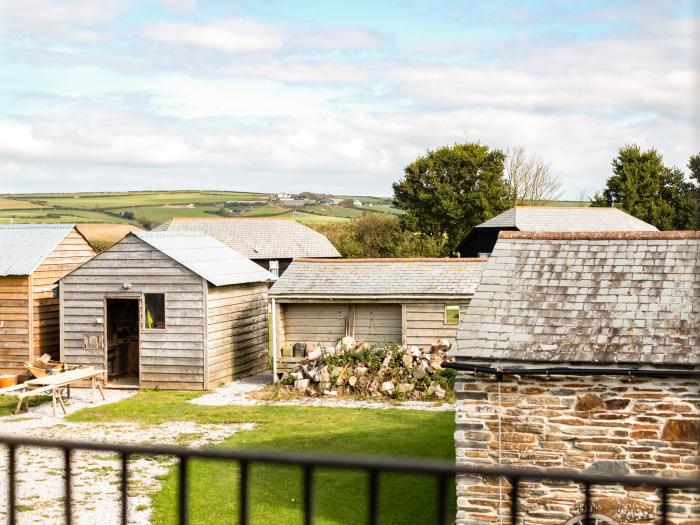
58,20
181,6
233,35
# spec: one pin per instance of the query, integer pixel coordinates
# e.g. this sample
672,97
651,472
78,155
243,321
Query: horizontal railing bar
385,464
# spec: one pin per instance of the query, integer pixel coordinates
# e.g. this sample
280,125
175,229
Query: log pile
358,369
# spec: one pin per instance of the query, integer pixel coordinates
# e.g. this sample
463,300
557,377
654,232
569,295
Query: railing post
11,477
68,489
243,493
308,495
514,499
124,486
184,492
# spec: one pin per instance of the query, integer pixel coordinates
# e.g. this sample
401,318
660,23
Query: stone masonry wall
602,425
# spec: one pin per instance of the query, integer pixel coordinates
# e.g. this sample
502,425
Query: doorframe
122,297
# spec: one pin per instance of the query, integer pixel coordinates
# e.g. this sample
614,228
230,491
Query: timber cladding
600,425
413,323
14,323
211,333
29,305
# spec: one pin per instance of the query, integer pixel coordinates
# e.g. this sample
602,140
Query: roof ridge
601,235
391,260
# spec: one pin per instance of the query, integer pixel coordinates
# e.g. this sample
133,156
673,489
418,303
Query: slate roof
23,247
606,297
260,238
380,278
564,219
207,257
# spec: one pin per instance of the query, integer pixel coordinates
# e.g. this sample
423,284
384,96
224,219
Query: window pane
452,314
155,310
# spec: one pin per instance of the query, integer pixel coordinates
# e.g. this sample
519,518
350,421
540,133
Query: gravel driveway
96,475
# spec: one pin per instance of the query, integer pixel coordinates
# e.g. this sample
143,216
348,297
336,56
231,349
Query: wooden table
54,384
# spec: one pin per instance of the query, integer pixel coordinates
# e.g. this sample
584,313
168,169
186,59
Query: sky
335,96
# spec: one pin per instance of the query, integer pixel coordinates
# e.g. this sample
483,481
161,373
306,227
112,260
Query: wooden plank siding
415,323
425,323
237,331
15,310
73,251
329,322
172,358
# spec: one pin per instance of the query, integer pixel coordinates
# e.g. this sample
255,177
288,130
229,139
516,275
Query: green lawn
276,492
161,214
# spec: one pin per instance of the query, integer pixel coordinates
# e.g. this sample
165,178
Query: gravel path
96,475
237,393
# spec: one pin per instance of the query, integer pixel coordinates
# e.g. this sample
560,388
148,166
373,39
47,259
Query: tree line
448,191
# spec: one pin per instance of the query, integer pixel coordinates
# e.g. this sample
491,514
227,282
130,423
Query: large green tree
448,191
694,167
644,187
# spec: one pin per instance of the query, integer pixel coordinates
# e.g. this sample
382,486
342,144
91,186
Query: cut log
382,370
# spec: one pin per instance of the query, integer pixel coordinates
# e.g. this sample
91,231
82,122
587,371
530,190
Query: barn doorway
123,361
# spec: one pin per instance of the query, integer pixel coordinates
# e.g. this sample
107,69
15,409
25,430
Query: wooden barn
33,257
411,301
174,310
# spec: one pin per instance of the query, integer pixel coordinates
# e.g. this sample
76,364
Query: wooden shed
175,310
33,257
411,301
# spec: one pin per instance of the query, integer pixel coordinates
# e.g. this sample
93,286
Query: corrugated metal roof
564,219
260,238
207,257
587,297
23,247
379,277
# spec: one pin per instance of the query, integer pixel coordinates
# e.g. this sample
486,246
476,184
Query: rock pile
359,369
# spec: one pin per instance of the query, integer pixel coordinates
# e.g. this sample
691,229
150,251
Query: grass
333,211
12,204
275,492
129,199
52,215
161,214
8,404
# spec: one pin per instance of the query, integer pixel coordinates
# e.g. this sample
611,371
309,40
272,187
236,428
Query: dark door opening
123,341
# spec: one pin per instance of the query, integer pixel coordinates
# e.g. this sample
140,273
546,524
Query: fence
443,471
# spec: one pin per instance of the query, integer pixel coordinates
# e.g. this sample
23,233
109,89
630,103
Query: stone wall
602,425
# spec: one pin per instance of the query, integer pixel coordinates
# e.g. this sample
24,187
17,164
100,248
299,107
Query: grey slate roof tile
260,238
379,277
608,297
556,219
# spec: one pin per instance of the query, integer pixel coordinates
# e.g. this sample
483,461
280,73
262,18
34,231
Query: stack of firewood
404,371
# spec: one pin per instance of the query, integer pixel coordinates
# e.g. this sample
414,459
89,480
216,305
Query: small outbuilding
482,239
33,257
411,301
581,351
174,310
271,243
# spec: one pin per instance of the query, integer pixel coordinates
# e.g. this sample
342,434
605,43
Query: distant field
161,214
333,211
119,200
51,215
12,204
101,233
308,218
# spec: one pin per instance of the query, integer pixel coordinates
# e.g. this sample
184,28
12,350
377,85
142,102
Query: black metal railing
442,471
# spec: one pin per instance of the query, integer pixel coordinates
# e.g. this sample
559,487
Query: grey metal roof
23,247
260,238
207,257
379,277
561,219
613,297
